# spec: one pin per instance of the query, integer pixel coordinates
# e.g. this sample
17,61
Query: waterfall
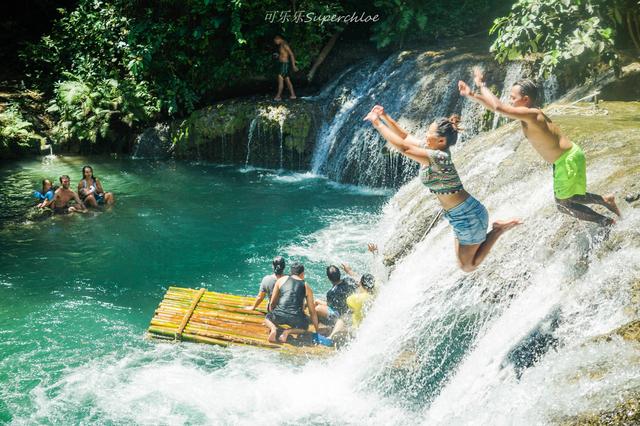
281,125
440,342
514,73
415,88
252,128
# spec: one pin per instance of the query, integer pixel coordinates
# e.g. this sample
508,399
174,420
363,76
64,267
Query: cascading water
281,124
514,73
416,88
252,129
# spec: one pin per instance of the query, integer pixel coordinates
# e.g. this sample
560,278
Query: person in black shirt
286,306
336,304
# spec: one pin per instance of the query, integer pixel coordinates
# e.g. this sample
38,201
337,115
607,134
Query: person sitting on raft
63,196
336,304
287,306
46,196
468,217
358,303
91,191
268,282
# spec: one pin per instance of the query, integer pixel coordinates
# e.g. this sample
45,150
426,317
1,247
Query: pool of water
77,292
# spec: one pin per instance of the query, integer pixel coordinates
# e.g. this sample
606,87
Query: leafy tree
16,132
576,34
404,21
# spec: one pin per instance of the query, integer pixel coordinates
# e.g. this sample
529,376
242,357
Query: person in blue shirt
45,197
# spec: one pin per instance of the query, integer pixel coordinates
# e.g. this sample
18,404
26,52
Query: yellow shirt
357,302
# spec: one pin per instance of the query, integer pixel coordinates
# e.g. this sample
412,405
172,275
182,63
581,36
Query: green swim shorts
570,174
284,69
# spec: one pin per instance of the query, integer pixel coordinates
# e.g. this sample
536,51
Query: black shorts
284,69
61,210
300,322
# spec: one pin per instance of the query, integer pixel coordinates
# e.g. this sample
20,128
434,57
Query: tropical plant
404,21
16,132
575,34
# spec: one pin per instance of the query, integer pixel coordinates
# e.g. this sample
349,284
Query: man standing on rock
284,54
569,164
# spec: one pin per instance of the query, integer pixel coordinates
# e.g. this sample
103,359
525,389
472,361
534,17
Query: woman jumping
467,215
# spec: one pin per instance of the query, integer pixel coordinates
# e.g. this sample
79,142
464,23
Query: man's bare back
568,159
545,136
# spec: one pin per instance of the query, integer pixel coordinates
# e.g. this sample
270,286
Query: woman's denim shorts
470,220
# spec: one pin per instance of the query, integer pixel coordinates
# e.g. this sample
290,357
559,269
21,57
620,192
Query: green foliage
404,21
88,111
577,34
16,132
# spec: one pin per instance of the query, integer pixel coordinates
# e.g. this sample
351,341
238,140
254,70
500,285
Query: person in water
568,159
467,216
336,304
287,305
91,191
285,54
46,196
63,196
357,302
268,282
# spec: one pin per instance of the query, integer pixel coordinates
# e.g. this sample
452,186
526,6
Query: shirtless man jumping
284,53
62,197
569,164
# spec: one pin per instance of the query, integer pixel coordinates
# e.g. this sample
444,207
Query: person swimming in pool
467,216
568,159
63,196
91,191
46,196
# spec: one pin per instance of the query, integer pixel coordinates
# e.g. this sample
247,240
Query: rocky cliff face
257,133
325,133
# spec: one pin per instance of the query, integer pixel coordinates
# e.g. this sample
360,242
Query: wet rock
624,414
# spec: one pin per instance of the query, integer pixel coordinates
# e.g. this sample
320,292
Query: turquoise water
77,292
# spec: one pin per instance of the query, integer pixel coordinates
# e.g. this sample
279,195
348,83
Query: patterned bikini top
440,176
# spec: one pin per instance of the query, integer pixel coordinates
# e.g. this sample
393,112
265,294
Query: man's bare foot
293,97
504,225
283,337
272,336
610,200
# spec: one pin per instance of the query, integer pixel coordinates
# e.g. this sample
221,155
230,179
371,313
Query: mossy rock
220,133
624,414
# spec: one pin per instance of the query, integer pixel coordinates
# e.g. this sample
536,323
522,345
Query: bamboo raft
202,316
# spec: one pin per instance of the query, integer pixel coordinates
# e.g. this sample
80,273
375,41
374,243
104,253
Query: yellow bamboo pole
187,315
217,318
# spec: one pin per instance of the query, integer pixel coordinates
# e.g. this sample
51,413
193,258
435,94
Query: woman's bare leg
470,257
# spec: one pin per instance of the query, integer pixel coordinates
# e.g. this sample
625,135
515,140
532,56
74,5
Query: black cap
368,281
278,265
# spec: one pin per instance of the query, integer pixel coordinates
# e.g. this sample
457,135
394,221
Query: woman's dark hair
90,168
297,268
448,128
529,88
333,273
53,188
278,265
